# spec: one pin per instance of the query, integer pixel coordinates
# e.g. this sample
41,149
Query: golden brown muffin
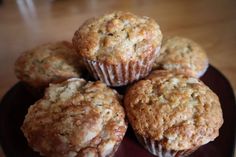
182,55
173,113
76,119
119,47
48,63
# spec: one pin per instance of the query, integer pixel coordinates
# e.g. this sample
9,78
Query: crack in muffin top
76,118
117,37
180,112
182,55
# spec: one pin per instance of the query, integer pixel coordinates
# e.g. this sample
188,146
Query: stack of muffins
171,111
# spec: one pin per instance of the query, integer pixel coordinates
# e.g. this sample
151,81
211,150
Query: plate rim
7,94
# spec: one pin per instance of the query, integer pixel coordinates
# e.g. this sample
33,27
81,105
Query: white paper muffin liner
155,147
122,73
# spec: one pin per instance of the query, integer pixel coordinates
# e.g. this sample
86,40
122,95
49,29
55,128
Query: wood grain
26,23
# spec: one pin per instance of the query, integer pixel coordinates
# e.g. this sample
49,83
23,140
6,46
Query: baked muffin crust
180,112
117,37
48,63
76,119
182,55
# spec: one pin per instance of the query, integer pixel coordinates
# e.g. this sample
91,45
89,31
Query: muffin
118,48
173,114
76,119
48,63
182,55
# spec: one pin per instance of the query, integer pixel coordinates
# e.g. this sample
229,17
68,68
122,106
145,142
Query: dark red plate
15,103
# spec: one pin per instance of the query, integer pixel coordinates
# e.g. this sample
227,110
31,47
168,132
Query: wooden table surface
27,23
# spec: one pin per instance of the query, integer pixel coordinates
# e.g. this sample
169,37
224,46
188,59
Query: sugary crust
182,55
76,119
179,111
48,63
117,37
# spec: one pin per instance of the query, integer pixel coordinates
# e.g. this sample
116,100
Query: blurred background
28,23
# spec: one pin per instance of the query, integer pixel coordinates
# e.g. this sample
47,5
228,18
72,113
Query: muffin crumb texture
48,63
182,55
117,37
179,111
76,119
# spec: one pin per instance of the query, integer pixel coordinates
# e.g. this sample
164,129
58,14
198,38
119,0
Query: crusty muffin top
48,63
76,118
117,37
178,110
182,55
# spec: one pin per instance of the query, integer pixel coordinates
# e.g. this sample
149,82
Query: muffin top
179,111
182,55
47,63
76,118
117,37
